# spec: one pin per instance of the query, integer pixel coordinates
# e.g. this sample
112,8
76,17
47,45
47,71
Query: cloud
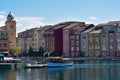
2,12
93,18
2,19
88,22
24,23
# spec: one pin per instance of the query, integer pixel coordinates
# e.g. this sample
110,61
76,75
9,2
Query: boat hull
52,64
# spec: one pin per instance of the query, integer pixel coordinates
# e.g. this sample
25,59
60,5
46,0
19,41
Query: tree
41,51
11,51
18,50
30,51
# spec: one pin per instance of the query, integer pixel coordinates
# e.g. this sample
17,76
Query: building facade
84,41
8,34
71,39
118,41
26,39
94,43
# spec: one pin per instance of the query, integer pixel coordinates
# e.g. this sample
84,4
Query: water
88,70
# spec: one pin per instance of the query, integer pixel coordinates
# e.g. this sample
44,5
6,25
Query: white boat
59,62
34,65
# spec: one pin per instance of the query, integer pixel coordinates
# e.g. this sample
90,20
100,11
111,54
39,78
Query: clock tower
10,25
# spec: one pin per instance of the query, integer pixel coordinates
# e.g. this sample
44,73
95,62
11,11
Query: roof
88,30
111,23
71,25
96,31
69,22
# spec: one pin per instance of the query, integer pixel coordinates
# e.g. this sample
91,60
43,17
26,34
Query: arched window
0,45
5,45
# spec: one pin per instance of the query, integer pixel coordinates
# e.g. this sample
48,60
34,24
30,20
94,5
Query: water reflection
8,74
90,70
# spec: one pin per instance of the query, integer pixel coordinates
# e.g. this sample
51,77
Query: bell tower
10,25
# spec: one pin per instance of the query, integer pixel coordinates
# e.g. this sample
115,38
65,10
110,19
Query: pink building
112,43
71,39
104,43
108,40
118,41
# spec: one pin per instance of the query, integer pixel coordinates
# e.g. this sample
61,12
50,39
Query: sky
35,13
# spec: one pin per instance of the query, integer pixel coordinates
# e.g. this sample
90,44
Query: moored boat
59,62
34,65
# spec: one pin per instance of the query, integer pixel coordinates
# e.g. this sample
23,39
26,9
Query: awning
1,55
50,53
45,53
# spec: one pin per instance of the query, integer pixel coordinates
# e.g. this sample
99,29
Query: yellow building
94,43
8,34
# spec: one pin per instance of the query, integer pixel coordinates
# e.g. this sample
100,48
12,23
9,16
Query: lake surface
88,70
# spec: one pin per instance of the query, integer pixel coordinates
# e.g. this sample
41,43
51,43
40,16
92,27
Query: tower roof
10,17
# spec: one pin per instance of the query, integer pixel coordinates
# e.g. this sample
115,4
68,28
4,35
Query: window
95,46
84,37
5,45
33,44
111,41
118,47
104,48
104,36
72,42
47,39
111,47
97,53
77,48
2,34
33,39
118,29
66,32
118,53
90,46
5,38
77,43
110,35
118,40
77,37
118,35
72,48
72,37
66,49
104,42
97,36
5,34
97,41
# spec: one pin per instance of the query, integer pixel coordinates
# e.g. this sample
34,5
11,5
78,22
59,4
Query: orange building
94,43
8,34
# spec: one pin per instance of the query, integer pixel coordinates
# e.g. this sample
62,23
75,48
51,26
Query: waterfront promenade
96,58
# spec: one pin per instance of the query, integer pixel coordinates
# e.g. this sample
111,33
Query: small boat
34,65
59,62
